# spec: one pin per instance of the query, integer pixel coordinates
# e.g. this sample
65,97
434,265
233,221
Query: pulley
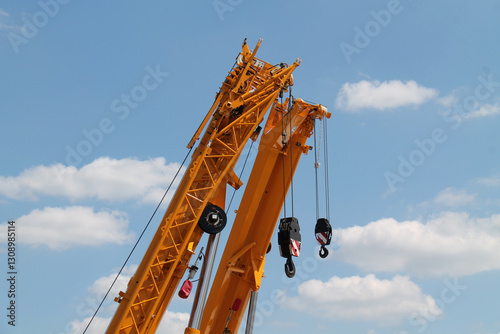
289,241
213,219
323,231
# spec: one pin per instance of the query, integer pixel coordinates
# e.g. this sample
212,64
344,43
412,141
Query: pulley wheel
213,219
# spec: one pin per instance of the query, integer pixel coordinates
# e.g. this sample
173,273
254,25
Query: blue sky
99,100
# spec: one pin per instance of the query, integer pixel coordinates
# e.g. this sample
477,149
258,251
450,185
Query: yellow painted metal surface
242,265
246,94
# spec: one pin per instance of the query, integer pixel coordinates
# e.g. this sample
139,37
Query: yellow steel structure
242,264
251,88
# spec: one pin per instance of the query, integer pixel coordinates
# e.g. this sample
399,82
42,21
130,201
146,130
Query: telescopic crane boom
250,89
242,265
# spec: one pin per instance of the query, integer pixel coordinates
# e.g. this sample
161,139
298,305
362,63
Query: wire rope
241,174
137,242
283,142
316,167
327,176
290,104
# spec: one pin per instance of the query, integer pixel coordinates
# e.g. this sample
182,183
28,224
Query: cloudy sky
98,103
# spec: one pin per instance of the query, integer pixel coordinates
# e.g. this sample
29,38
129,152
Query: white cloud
453,197
355,298
98,290
102,284
61,228
449,244
3,13
98,326
172,323
492,181
175,322
103,179
448,101
485,110
382,95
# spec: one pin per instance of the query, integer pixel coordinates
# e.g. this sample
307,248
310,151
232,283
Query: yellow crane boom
251,88
246,94
242,264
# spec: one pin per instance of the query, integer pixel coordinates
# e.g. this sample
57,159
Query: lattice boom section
228,132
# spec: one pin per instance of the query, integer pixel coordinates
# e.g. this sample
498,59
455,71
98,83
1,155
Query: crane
251,88
242,265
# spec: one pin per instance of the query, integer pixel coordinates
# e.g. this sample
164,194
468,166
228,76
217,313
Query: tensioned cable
327,177
283,134
323,140
241,174
316,166
137,242
290,105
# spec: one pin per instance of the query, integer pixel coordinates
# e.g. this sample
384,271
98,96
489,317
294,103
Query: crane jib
247,94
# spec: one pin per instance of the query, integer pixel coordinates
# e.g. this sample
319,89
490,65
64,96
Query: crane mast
251,88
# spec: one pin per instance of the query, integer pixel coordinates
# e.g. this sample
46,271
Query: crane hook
289,268
323,231
289,241
323,252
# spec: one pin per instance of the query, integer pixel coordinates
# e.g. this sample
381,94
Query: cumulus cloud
454,197
98,326
172,322
61,228
448,101
99,288
485,110
492,181
103,179
355,298
448,244
382,95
